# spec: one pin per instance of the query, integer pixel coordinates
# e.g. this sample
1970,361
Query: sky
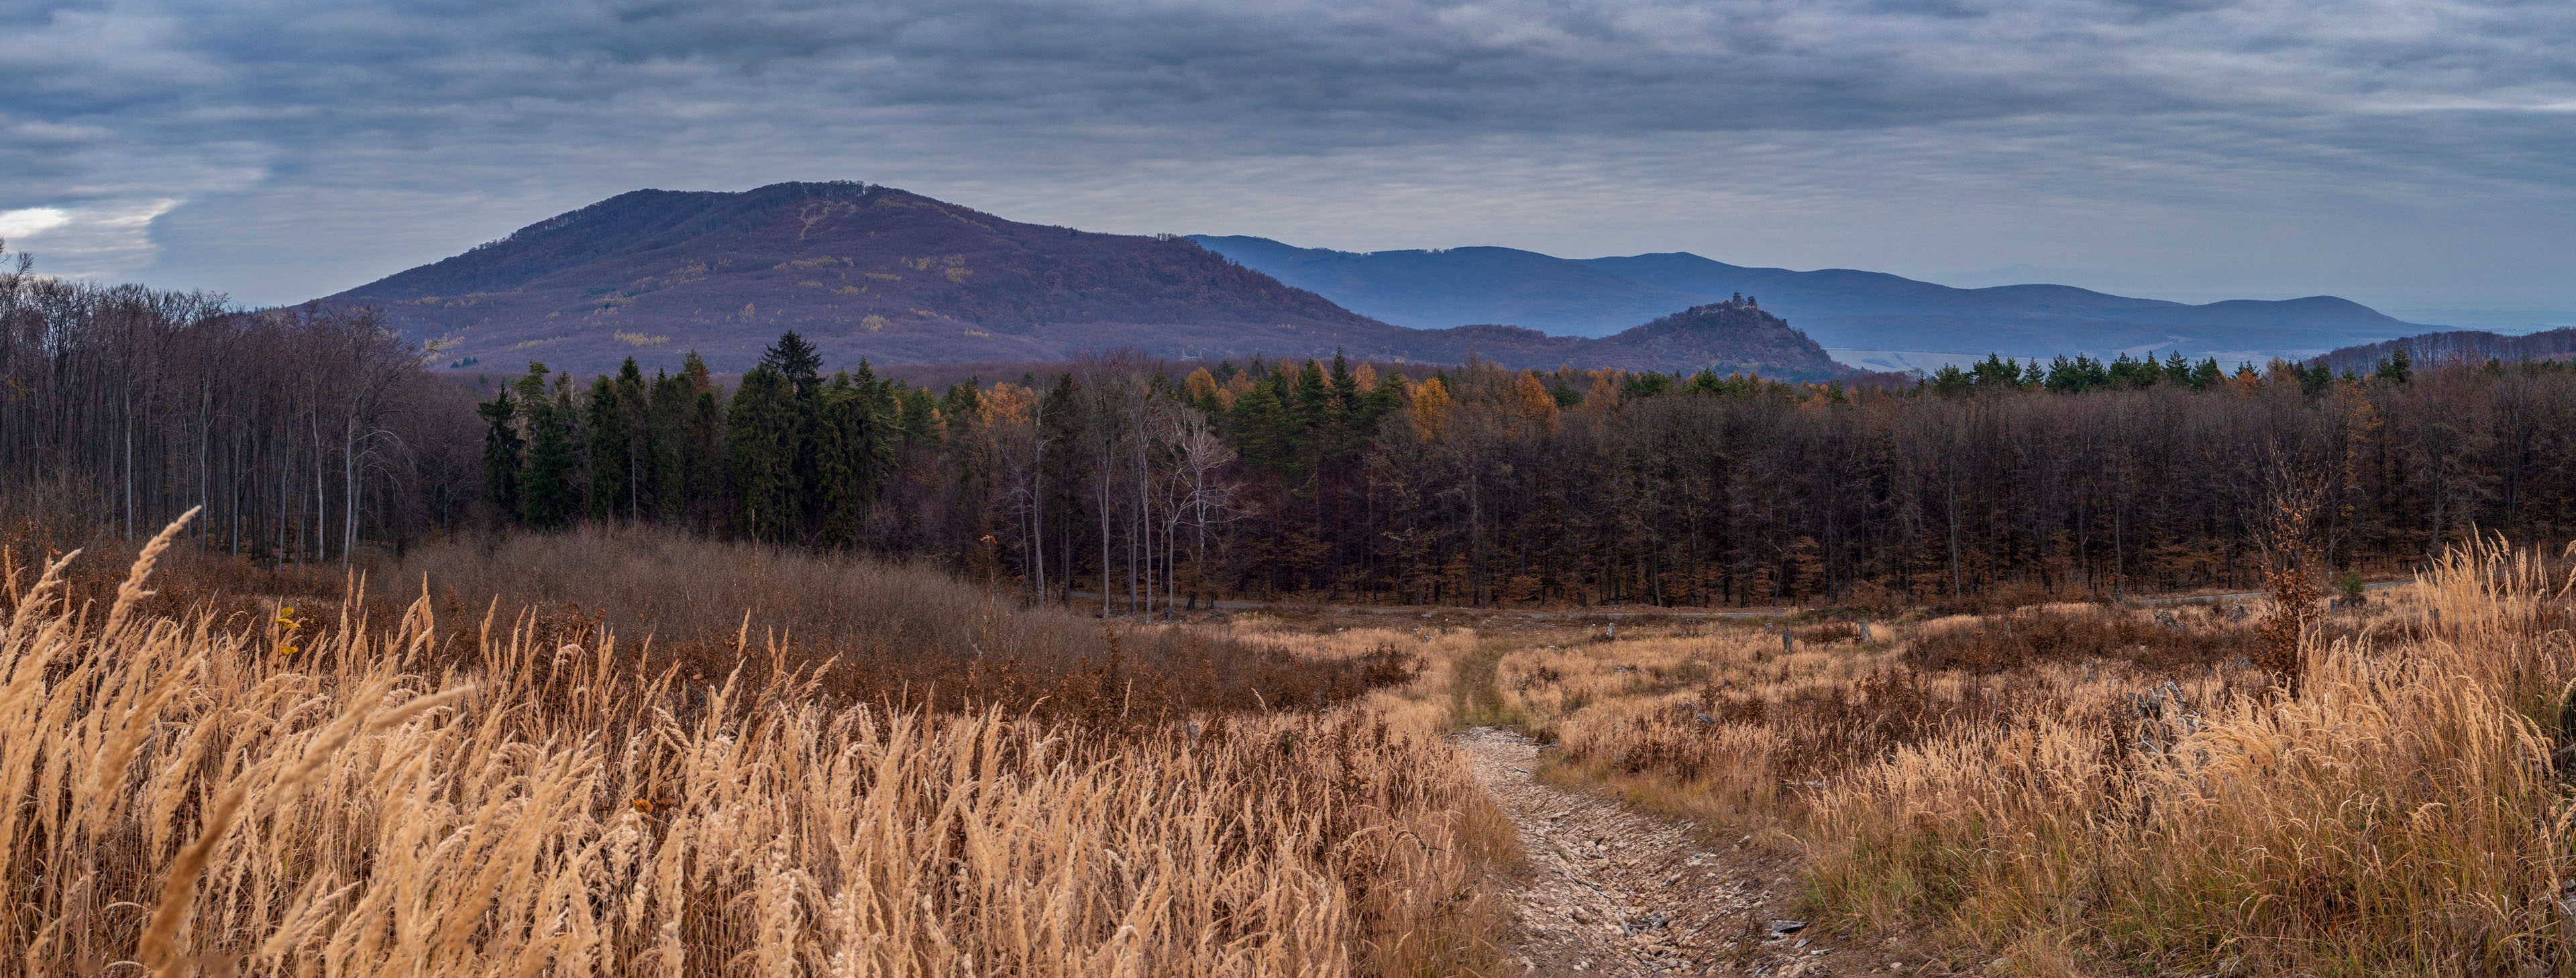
2415,155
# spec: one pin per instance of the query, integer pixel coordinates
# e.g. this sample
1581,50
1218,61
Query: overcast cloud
2416,155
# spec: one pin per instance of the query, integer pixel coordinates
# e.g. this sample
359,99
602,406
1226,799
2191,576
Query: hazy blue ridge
1839,307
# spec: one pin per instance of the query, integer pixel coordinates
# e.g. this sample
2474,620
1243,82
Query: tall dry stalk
2401,811
183,793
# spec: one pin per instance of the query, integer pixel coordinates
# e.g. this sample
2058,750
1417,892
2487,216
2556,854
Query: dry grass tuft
434,799
2399,812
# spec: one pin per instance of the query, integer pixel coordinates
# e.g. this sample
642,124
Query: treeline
2080,373
1483,485
309,434
2458,344
300,431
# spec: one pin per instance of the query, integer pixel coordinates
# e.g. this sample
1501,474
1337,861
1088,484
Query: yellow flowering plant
282,629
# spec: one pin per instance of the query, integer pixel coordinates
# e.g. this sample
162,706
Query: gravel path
1614,892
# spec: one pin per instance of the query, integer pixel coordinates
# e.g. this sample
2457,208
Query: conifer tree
552,484
919,416
1261,429
1346,385
635,413
1388,395
794,359
2207,374
710,491
502,450
608,445
962,400
761,433
667,421
2399,367
853,458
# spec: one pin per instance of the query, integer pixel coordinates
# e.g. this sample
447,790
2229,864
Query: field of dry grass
2073,789
613,752
302,794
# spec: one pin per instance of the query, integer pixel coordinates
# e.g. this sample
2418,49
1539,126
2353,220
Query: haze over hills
1841,308
874,271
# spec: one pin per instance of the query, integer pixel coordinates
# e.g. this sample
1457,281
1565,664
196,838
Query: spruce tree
705,484
1260,428
502,448
667,423
761,432
794,359
608,444
919,415
553,494
853,459
2206,374
635,413
2399,366
962,400
1346,385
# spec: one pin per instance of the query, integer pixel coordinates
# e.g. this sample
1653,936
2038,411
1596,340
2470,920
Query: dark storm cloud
356,139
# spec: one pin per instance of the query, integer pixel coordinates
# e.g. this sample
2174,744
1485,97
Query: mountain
1724,336
874,271
860,269
1458,286
2472,344
1841,308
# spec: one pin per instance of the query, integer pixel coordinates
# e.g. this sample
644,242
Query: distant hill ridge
874,271
2473,344
1841,308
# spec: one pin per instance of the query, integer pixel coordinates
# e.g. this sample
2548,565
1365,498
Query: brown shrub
1827,633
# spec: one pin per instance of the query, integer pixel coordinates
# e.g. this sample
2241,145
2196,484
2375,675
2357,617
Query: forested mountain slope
882,273
863,270
895,276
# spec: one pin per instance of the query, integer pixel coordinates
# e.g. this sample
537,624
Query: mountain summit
859,269
864,270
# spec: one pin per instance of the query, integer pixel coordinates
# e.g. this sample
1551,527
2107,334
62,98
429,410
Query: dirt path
1613,892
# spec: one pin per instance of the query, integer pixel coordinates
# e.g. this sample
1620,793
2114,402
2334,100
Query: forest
312,434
